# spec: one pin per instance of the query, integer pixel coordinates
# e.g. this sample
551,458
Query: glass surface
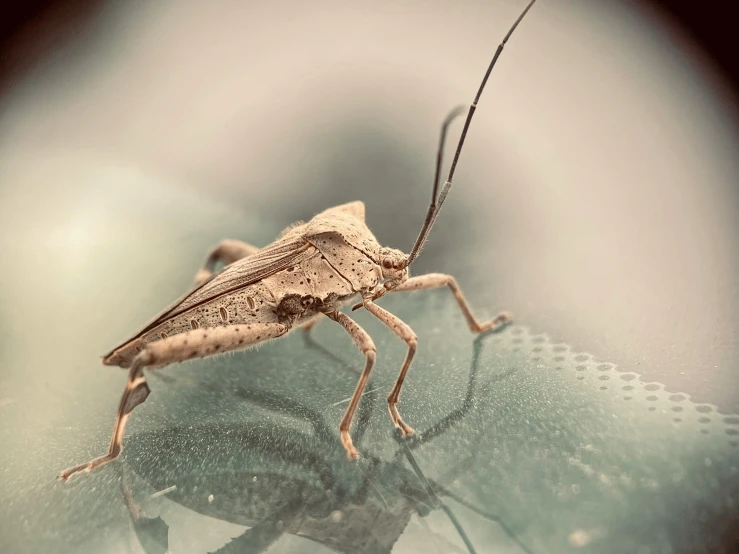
595,199
524,444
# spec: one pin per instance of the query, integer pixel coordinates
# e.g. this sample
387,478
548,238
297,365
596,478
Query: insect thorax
320,283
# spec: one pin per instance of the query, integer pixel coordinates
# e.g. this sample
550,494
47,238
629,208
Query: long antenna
451,116
437,201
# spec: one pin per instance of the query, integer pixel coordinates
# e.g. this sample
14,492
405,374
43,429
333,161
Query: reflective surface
601,213
525,446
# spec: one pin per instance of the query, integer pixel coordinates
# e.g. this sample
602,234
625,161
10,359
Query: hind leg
135,393
227,251
197,343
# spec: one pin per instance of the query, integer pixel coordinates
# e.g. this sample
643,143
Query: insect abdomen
252,304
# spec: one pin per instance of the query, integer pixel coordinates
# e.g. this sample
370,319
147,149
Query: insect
310,271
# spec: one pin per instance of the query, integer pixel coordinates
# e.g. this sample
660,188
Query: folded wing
273,258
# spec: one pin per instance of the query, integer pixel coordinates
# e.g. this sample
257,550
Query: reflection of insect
279,480
312,269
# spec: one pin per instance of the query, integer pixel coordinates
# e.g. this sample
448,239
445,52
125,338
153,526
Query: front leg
404,331
365,343
436,280
227,251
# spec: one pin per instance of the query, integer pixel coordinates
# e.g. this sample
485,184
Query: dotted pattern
628,385
347,220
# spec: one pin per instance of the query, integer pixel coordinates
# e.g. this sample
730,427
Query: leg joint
451,282
144,358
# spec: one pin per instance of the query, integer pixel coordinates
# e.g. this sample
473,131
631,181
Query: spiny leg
227,251
197,343
365,343
436,280
404,331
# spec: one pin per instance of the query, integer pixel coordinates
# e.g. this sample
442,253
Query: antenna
437,201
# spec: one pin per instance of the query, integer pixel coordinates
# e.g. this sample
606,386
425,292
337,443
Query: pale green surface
538,436
559,460
596,200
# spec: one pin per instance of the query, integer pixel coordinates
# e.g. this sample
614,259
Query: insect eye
387,264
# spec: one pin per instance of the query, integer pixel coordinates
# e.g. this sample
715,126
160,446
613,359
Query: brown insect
310,271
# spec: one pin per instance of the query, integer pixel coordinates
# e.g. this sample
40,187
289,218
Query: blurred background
596,197
597,194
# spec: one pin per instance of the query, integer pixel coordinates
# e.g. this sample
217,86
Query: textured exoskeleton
310,271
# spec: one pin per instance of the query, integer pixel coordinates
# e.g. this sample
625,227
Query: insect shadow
278,480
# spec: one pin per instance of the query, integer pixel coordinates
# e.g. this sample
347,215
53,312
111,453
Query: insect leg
197,343
308,325
227,251
404,331
134,394
365,343
436,280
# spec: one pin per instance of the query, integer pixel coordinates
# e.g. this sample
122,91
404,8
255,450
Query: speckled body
312,269
330,259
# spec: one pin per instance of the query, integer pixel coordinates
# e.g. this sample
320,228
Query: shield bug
310,271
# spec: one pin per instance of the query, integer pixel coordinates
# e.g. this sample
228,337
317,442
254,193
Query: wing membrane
273,258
